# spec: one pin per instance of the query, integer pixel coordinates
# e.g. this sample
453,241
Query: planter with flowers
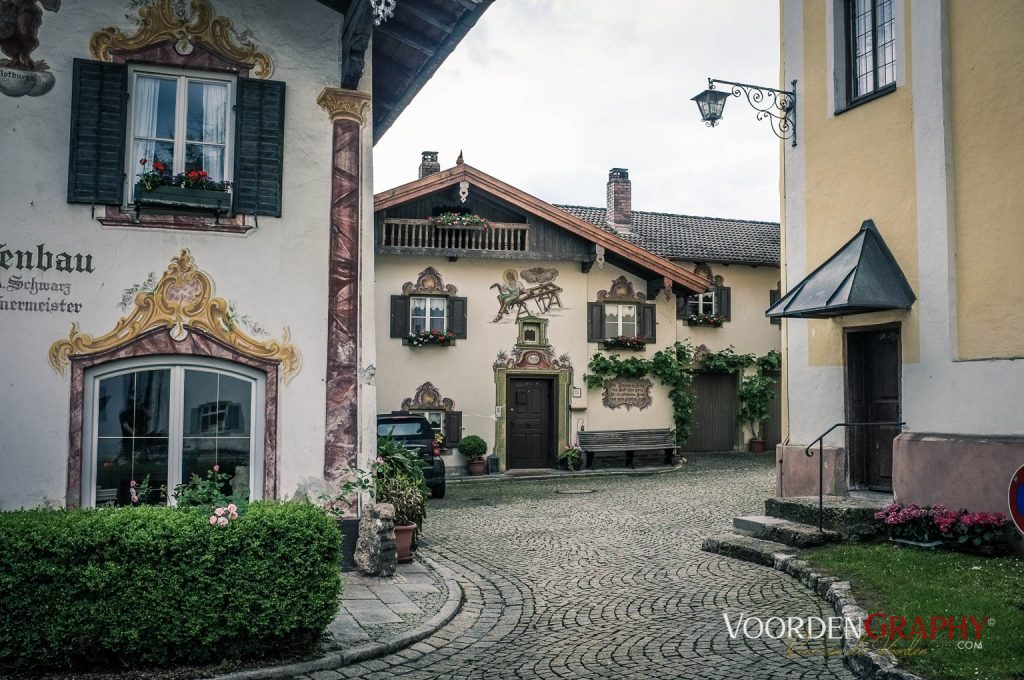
984,533
193,191
637,343
459,220
434,338
713,320
571,457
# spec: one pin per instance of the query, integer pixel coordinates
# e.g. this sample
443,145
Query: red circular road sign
1017,498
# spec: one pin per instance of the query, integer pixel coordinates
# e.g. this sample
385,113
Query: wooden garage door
773,428
714,421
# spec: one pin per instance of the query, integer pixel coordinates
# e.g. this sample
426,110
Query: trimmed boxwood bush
153,586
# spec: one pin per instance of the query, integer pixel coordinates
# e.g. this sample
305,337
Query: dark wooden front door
530,423
714,413
872,395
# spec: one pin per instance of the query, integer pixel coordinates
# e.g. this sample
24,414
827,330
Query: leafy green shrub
208,492
152,586
756,394
472,447
409,501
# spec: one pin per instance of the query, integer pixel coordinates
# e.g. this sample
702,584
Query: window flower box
636,343
713,320
183,199
433,338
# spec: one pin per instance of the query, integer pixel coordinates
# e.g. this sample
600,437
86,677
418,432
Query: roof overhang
407,48
862,276
658,266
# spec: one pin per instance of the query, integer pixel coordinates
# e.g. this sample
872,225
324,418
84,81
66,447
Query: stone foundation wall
796,474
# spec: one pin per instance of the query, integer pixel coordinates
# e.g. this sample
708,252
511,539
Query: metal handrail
820,441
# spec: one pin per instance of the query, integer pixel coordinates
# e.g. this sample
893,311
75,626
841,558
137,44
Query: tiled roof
698,239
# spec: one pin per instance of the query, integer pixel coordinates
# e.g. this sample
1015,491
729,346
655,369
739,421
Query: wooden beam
386,63
409,37
429,14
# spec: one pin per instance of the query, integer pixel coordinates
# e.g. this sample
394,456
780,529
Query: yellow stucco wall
986,105
859,165
464,373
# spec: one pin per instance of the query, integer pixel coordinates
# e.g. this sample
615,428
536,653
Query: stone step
850,516
746,548
782,531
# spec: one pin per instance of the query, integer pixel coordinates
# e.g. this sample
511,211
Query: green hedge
154,586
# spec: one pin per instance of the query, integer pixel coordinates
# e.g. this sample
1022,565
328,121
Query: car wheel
438,491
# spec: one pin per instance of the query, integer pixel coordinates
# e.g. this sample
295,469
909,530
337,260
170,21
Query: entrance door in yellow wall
872,395
531,427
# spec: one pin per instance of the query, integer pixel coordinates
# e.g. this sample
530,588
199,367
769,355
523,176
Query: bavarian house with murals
903,292
492,302
186,263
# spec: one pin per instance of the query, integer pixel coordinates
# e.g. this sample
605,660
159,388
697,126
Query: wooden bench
596,442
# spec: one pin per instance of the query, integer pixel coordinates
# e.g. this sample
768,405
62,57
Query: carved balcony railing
400,234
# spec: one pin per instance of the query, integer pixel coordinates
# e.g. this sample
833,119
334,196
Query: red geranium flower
158,166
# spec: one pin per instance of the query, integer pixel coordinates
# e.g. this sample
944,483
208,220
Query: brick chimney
620,211
429,164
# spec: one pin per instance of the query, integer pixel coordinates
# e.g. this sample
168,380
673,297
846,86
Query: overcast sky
547,95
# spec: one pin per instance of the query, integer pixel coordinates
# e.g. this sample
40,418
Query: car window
409,428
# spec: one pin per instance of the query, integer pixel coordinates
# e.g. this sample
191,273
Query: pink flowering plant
209,491
222,516
937,522
139,492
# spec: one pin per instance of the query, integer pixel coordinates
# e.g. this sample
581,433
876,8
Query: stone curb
370,650
502,477
865,665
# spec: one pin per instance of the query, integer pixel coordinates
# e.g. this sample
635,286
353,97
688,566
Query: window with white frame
435,418
703,303
620,320
161,422
870,48
182,120
428,314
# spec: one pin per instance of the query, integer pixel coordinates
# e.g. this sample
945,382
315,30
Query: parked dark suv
414,433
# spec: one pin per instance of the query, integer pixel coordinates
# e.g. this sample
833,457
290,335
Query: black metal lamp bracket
776,106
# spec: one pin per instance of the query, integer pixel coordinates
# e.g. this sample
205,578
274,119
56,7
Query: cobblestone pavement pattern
609,584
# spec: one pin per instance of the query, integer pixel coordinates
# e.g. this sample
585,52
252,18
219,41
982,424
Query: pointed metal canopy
863,276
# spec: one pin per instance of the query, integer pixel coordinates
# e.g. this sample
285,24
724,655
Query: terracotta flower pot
757,446
476,467
403,541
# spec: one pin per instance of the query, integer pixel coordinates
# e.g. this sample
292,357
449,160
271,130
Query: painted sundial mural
529,292
20,74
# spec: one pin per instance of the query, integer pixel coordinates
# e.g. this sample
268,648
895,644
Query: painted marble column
346,109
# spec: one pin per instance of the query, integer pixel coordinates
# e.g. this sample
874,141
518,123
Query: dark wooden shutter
773,297
399,316
649,322
99,109
458,316
259,147
452,427
595,322
686,309
723,302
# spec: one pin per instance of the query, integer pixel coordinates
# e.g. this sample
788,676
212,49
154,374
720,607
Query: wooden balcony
412,236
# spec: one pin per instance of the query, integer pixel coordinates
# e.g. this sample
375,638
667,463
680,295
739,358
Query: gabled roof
693,238
612,242
863,276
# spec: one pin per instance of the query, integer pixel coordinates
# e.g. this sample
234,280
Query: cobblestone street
560,583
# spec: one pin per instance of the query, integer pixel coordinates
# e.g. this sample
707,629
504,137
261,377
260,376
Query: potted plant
191,191
435,337
756,393
473,448
571,457
637,342
409,502
457,219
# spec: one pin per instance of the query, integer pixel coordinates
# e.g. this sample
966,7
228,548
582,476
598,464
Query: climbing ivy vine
672,366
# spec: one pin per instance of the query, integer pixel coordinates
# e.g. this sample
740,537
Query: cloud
549,94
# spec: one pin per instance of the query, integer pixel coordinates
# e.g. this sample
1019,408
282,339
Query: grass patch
910,582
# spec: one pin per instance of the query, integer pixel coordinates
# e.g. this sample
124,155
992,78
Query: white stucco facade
276,274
